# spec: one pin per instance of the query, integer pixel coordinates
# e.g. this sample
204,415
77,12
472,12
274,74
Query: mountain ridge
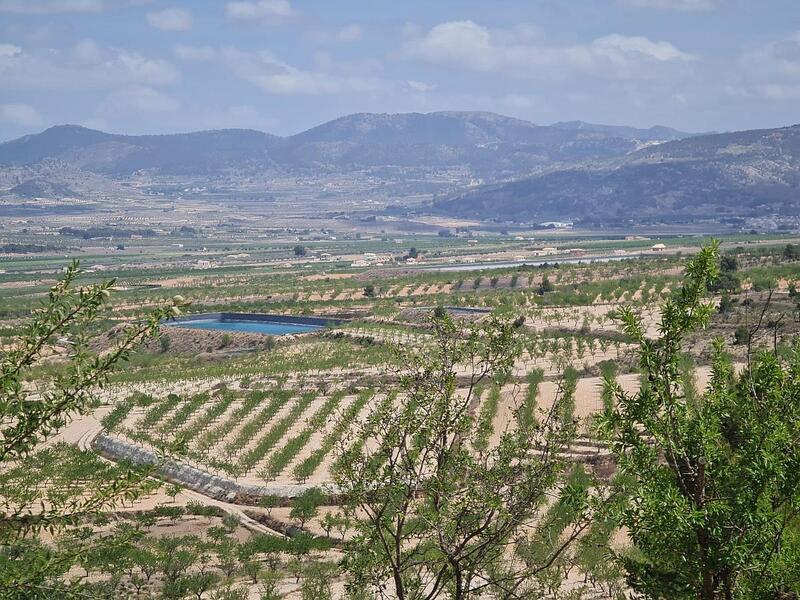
749,173
474,165
567,125
488,142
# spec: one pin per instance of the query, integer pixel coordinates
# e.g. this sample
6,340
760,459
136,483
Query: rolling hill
118,155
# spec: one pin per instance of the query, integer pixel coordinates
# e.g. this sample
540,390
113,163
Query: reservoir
254,323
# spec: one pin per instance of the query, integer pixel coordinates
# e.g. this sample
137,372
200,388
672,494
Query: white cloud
470,46
138,99
345,35
682,5
779,92
349,33
22,115
88,52
170,19
44,7
519,101
456,42
85,65
275,76
264,11
770,71
9,50
614,45
775,60
420,86
199,53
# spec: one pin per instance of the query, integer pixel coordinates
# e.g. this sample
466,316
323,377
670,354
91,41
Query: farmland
268,417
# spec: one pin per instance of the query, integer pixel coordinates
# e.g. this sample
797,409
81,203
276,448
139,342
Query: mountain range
491,145
525,172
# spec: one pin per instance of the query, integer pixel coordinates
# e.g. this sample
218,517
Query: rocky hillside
740,174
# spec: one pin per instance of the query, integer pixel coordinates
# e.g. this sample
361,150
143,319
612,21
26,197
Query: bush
726,304
545,287
269,343
728,264
791,251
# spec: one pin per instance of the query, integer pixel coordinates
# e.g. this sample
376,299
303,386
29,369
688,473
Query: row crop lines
278,461
276,433
381,412
212,436
258,422
306,468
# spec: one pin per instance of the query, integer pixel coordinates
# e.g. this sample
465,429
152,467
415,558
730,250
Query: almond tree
433,513
58,488
713,478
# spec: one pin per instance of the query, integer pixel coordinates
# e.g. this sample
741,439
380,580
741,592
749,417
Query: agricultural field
265,418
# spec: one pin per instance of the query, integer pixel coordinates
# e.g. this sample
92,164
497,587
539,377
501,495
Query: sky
282,66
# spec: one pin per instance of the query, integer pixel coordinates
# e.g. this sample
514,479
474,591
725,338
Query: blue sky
153,66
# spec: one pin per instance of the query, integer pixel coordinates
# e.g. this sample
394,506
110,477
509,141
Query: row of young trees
706,484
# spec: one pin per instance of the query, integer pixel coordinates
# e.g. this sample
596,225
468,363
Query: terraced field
278,432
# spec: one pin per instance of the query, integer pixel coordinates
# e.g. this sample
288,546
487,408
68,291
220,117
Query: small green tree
300,250
545,286
713,480
268,502
726,303
270,585
306,506
82,487
434,512
173,490
316,582
197,584
728,263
